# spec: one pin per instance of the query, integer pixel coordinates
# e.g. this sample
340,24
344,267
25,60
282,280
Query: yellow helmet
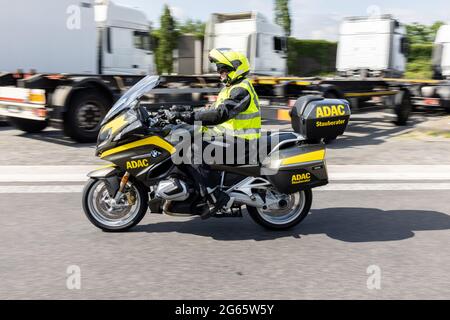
234,62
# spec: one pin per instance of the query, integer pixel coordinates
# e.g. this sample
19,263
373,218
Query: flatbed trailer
428,93
77,103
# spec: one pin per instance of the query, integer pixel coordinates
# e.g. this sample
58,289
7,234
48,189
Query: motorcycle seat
269,140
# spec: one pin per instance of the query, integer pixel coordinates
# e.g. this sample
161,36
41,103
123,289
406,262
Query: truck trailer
77,102
372,47
250,33
66,64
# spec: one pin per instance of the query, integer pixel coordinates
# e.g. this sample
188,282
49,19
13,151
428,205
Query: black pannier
315,117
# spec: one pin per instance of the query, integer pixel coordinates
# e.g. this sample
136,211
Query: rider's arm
238,101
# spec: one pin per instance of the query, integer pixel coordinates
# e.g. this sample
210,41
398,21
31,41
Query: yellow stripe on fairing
115,125
157,141
306,157
107,166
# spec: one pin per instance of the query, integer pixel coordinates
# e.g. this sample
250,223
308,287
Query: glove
188,117
180,108
173,116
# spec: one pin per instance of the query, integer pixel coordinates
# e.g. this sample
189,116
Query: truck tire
85,112
403,109
446,105
27,125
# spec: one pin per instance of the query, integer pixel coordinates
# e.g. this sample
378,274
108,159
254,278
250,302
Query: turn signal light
37,96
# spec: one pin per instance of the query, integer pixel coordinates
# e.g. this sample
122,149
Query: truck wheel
403,109
86,111
446,105
27,125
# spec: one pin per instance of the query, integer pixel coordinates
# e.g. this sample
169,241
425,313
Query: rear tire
86,111
293,217
27,125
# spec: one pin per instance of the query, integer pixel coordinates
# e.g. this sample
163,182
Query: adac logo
330,111
137,164
301,178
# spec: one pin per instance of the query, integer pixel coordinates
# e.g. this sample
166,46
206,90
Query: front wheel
107,214
290,212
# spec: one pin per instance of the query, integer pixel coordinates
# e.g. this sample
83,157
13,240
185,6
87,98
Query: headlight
103,137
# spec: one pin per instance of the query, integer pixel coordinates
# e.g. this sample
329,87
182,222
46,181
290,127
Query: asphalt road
393,218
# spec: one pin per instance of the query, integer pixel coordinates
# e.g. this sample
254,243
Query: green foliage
195,27
421,51
282,15
421,38
311,57
166,39
420,33
419,69
419,61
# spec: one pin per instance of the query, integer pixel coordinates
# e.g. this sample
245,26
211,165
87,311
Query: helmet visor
223,68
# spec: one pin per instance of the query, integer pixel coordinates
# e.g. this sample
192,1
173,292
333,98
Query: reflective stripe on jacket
246,124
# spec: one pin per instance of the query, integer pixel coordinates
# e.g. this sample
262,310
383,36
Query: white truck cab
74,37
124,35
372,46
252,34
441,53
65,62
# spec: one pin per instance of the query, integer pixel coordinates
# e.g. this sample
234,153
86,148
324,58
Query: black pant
236,151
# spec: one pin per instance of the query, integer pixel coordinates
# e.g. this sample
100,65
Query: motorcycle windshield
133,94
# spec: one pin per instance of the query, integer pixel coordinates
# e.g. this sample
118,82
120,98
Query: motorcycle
142,175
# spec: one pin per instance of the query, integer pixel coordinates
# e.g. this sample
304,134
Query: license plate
431,102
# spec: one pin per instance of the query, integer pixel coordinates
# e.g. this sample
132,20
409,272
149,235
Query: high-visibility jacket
246,124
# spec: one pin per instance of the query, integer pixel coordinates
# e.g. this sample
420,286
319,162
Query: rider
236,112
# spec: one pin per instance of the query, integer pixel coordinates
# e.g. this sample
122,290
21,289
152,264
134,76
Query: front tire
104,216
295,211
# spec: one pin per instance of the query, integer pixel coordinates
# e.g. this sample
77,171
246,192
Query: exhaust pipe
241,198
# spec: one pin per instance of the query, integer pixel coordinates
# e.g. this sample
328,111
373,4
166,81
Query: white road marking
335,173
384,186
45,173
42,189
329,187
388,172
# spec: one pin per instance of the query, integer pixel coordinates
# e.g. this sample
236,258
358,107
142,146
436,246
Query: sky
311,19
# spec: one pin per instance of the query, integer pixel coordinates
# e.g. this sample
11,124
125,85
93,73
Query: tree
282,15
167,39
195,27
421,38
420,34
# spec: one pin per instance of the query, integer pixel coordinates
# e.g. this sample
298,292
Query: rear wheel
290,212
27,125
107,214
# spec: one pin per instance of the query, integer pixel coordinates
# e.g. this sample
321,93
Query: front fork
131,198
123,183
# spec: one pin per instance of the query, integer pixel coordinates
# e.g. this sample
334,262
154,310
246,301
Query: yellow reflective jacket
246,124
